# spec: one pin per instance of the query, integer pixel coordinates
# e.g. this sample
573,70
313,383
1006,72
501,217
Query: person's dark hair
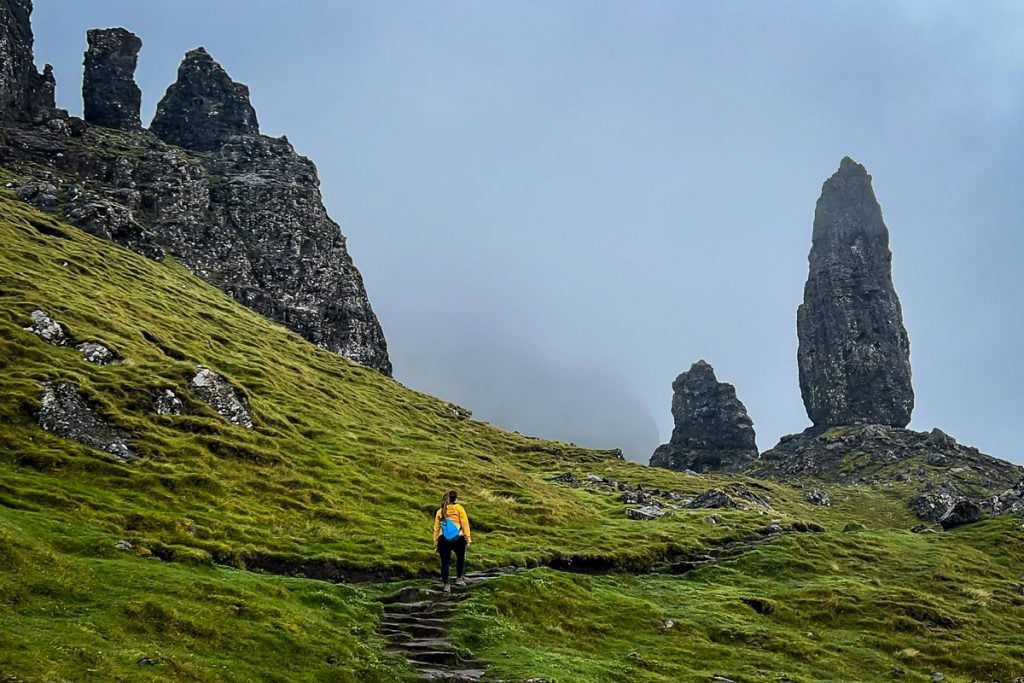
446,500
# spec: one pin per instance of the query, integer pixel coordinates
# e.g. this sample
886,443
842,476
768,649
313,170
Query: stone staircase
415,624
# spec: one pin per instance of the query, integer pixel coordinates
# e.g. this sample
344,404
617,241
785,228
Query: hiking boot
447,589
460,581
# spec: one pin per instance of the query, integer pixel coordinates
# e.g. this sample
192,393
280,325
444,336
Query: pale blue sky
558,206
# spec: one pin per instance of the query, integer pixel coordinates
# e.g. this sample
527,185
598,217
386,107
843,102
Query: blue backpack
450,530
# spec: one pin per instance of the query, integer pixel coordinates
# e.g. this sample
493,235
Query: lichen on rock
66,414
218,393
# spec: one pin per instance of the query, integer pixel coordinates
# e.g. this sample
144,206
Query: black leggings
445,548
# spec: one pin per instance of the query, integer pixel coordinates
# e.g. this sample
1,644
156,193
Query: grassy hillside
339,480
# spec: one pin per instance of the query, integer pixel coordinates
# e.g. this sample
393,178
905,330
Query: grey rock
109,93
25,94
854,354
94,352
123,545
636,498
218,393
48,329
246,216
743,492
963,511
112,221
167,403
648,512
818,497
932,503
568,479
204,107
66,414
43,195
712,429
713,498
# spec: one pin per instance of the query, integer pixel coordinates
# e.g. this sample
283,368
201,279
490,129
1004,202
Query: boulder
48,329
109,93
963,511
217,392
66,414
713,498
818,497
167,403
712,429
93,352
648,512
204,107
854,353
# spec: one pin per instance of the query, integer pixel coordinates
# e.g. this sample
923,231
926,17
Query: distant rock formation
854,355
239,209
109,93
25,94
204,107
712,429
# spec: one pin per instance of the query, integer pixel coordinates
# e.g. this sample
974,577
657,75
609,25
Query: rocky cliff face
241,210
854,355
25,94
712,429
109,93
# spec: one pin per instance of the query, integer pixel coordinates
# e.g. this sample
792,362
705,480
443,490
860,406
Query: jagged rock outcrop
243,211
66,414
712,429
48,329
932,464
109,93
25,94
204,107
854,355
167,403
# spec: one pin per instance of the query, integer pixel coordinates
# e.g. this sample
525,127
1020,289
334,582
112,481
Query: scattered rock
712,519
65,414
712,429
759,605
109,93
667,624
934,501
94,352
937,676
146,661
48,329
458,412
636,498
167,403
854,355
921,529
568,479
772,529
123,545
218,393
818,497
962,512
713,498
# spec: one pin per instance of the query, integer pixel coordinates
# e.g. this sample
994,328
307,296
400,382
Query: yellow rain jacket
457,514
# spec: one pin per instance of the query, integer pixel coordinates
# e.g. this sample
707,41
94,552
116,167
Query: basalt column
854,355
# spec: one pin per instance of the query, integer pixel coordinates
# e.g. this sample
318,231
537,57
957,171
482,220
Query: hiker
451,532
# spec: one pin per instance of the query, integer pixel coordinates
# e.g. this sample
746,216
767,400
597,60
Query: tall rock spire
712,429
109,93
204,107
25,94
854,355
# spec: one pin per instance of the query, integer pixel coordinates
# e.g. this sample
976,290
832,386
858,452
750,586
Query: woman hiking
451,532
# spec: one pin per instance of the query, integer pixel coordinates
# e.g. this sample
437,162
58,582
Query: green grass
340,479
869,606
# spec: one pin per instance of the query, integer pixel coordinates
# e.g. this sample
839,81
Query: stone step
392,620
421,607
419,659
450,676
414,631
426,644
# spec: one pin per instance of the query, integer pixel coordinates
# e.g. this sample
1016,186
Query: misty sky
559,206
